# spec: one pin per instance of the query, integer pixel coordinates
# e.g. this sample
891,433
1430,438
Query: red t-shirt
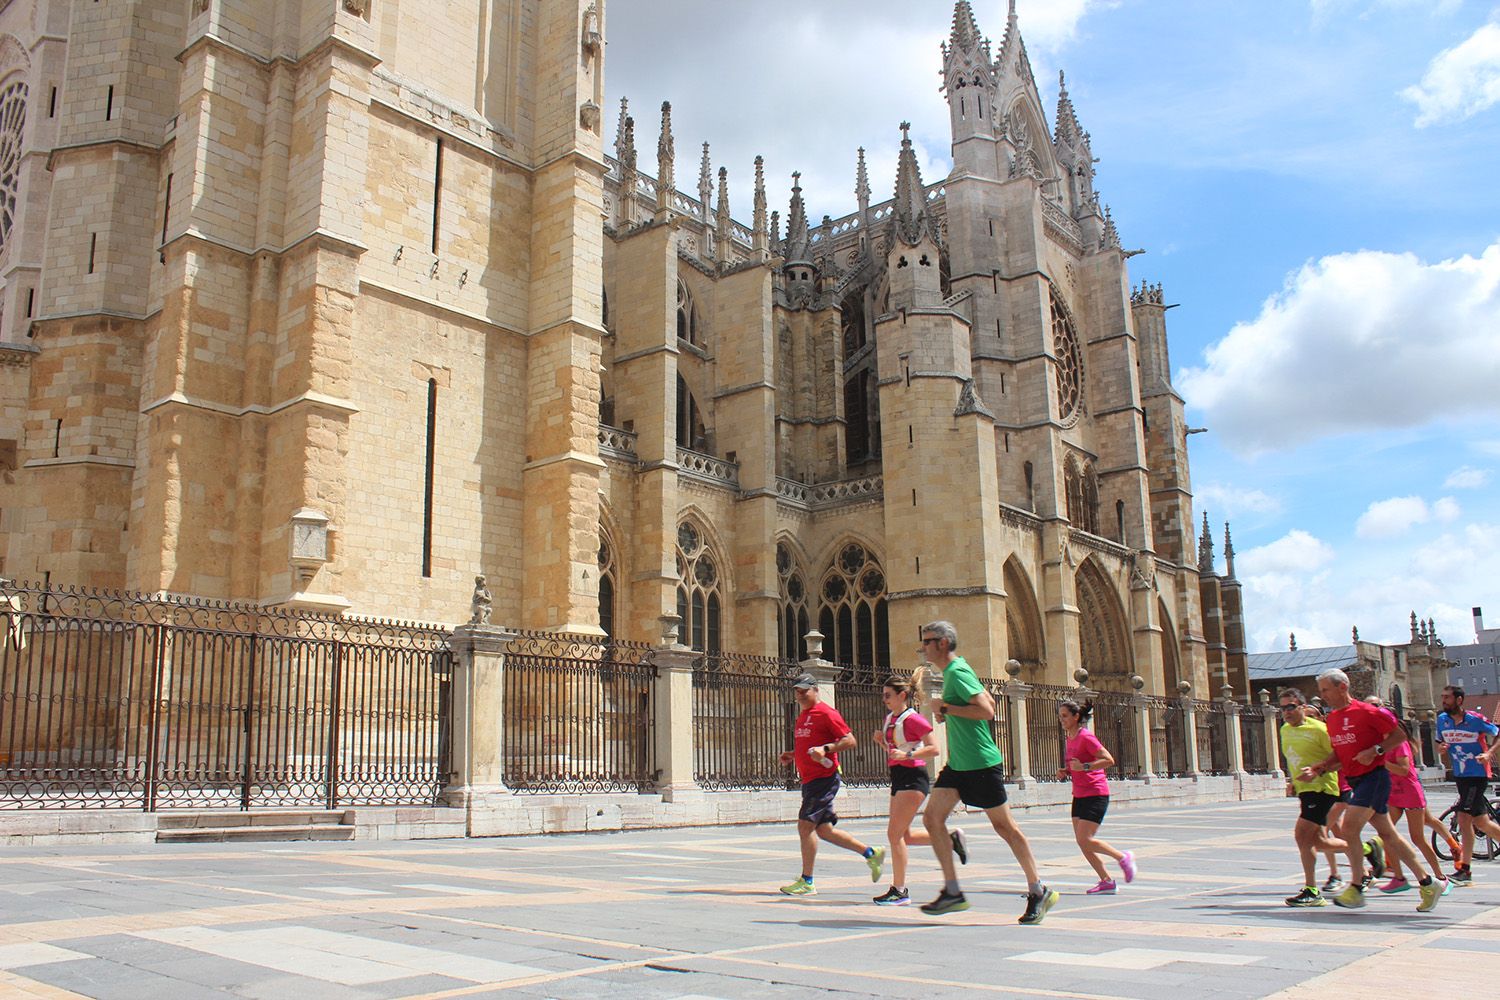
1357,728
816,727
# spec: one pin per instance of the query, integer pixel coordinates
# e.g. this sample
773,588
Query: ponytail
1083,711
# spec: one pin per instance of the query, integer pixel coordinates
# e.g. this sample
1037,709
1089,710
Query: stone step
194,820
262,833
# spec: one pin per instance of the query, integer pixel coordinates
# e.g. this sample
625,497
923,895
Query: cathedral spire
1205,549
666,165
1068,130
1413,626
1228,553
629,174
1110,239
620,130
965,34
776,246
797,240
705,185
862,183
723,225
911,196
758,235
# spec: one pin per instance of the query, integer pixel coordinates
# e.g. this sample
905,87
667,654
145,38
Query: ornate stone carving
589,116
593,40
482,603
1143,571
200,7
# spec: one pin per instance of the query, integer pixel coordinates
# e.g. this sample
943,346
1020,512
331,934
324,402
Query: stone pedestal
674,722
1141,706
1190,735
1234,739
478,715
1014,693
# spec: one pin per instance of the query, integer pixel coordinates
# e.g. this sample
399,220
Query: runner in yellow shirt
1304,742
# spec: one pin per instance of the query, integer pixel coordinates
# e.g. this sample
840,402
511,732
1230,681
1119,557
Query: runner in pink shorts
1409,798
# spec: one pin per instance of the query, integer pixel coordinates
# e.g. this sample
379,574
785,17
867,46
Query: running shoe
1375,851
1352,898
1127,865
1334,884
1447,886
1431,893
946,902
1106,887
1396,884
876,862
960,845
1366,882
893,897
1037,905
1461,876
1307,897
801,887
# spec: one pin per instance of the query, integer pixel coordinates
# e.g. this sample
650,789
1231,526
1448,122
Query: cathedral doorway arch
1023,622
1103,636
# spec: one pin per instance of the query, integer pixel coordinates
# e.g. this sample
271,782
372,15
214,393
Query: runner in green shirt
974,775
1304,742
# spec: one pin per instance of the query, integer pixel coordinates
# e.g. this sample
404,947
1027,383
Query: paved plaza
695,914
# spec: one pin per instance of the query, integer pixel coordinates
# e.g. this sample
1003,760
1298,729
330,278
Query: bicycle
1485,846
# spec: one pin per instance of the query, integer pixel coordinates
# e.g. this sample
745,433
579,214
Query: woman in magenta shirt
1085,759
906,736
1408,797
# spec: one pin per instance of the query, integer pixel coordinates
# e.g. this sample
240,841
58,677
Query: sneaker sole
954,908
1049,901
1309,905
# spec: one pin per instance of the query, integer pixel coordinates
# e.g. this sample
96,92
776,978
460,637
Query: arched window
1030,486
852,612
12,124
792,624
1068,360
687,315
607,581
690,430
852,320
1082,489
700,601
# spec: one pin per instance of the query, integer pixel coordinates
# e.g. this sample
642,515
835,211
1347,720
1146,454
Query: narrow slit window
109,103
93,249
437,196
428,481
166,210
52,104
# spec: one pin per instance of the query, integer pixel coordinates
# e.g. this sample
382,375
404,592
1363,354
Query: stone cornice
310,398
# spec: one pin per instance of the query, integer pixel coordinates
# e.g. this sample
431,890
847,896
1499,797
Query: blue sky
1314,182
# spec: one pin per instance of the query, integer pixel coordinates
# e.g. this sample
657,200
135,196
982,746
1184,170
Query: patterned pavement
695,914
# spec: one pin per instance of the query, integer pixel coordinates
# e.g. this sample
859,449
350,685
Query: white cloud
1466,478
1352,342
1050,24
1226,502
1460,82
1393,517
1295,552
1446,510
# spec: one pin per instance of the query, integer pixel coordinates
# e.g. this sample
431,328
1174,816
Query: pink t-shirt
1406,789
1085,747
914,726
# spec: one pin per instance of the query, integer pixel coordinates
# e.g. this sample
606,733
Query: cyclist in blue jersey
1467,739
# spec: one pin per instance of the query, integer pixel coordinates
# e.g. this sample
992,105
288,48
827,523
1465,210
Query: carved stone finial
1137,682
1291,642
1265,696
1013,668
759,235
814,641
666,163
359,8
1081,677
671,627
1355,631
481,604
1184,688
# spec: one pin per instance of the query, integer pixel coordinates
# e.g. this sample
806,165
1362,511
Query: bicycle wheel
1491,849
1440,843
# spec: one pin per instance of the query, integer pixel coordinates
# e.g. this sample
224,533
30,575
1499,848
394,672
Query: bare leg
935,818
899,835
1309,837
1416,825
1005,826
807,835
1094,850
1394,869
1397,846
1466,828
838,838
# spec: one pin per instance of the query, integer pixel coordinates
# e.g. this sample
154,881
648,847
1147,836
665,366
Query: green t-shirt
1304,746
970,745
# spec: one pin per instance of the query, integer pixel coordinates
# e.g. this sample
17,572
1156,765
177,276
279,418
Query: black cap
805,681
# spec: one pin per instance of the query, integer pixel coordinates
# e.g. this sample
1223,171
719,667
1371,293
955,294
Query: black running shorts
982,789
910,779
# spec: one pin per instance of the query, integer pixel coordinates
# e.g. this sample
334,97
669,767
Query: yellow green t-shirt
1304,746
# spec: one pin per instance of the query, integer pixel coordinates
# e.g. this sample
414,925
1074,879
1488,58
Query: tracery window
1069,361
852,612
12,123
700,600
792,624
687,315
1082,490
607,582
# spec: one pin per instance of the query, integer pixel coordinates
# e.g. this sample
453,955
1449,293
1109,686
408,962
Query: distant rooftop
1299,662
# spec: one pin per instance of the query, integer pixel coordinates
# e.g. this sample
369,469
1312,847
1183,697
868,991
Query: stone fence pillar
1014,693
1142,708
1189,728
1272,721
1233,739
478,713
673,696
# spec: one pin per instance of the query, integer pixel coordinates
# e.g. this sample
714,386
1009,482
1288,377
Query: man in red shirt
818,735
1361,734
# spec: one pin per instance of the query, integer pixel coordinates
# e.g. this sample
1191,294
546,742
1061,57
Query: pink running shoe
1106,887
1127,865
1395,885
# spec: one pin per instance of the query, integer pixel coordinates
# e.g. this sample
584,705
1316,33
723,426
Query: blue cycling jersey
1464,747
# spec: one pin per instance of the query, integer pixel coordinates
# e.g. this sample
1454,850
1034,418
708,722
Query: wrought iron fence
743,712
857,695
1044,735
1169,748
1114,725
1259,758
124,700
579,714
1213,737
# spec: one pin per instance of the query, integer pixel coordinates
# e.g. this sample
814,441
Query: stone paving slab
694,914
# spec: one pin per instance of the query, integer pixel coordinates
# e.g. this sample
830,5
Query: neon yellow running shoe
801,887
876,862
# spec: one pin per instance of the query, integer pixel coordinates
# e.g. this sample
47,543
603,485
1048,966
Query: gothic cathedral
337,304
